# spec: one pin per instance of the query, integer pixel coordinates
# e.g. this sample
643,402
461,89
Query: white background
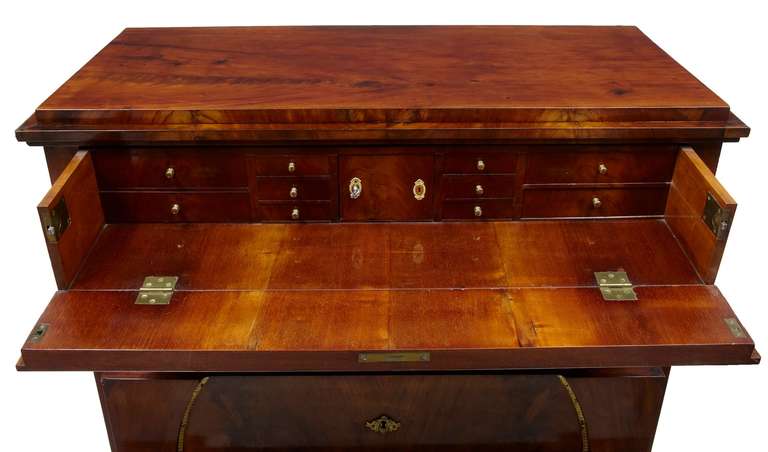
706,408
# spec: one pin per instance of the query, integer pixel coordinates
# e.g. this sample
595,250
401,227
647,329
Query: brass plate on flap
55,221
733,324
38,333
383,425
615,286
157,290
717,219
395,357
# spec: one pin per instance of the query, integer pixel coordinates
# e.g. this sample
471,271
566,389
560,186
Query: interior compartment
511,295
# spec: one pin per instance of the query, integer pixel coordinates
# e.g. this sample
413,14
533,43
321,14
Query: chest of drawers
384,238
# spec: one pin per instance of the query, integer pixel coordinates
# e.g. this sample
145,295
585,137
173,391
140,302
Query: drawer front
478,186
645,165
389,187
290,165
290,188
296,211
479,412
158,168
122,207
481,209
586,202
491,162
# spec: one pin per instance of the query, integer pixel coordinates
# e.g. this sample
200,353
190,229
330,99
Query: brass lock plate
419,189
55,221
393,357
383,425
717,219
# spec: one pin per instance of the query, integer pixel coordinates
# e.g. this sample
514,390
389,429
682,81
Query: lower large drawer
587,410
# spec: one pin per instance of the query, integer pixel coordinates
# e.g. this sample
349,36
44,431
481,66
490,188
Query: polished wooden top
381,75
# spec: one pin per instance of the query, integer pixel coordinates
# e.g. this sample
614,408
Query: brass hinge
717,219
615,286
157,290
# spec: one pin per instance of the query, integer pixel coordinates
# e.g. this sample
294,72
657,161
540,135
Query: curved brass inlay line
185,419
579,413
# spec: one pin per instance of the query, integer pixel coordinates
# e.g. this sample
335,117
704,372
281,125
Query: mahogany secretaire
384,238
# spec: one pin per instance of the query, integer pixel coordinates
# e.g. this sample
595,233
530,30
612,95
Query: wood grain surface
381,74
292,330
691,184
76,187
385,255
404,82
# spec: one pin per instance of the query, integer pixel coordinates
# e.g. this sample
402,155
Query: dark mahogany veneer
385,237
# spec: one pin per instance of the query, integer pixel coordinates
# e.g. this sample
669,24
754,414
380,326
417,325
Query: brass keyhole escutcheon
295,214
480,165
602,169
175,209
419,189
355,187
383,425
479,190
596,203
478,211
170,172
294,192
291,167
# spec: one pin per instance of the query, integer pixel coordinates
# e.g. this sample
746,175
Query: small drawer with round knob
600,164
290,165
467,186
299,211
289,188
643,200
169,168
478,209
490,162
188,206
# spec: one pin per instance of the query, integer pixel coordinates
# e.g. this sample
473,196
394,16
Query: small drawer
162,207
288,188
478,186
586,202
296,211
492,162
645,165
480,209
159,168
290,165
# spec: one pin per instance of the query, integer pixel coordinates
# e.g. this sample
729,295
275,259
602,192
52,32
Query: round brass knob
480,165
478,211
479,190
602,169
596,203
170,172
175,209
294,192
291,167
295,214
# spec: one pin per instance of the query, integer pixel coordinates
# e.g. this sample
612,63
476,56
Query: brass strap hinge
615,286
157,290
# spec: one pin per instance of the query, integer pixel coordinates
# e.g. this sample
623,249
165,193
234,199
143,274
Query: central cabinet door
386,187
